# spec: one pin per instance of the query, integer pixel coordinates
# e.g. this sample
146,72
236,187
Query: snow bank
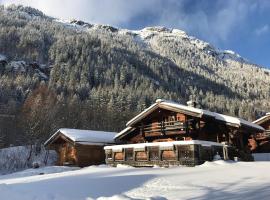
39,171
217,163
124,197
14,159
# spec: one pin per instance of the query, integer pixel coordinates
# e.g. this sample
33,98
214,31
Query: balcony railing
164,127
267,133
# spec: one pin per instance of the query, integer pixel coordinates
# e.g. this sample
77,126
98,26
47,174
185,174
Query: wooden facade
260,142
169,122
81,155
163,125
78,153
189,153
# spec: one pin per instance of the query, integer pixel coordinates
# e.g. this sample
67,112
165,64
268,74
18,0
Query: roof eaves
123,132
142,114
56,135
184,109
47,142
251,125
262,119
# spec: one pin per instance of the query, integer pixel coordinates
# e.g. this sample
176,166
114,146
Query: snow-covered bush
18,158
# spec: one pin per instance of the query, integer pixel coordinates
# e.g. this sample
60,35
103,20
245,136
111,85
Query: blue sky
240,25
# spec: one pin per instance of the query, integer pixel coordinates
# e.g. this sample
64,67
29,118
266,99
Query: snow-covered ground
212,180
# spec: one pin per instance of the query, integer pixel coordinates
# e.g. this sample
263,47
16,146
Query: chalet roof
262,119
83,136
196,112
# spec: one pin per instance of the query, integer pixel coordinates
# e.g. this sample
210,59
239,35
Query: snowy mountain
145,35
79,67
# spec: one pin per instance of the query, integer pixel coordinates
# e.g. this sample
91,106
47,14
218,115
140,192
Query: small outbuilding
80,147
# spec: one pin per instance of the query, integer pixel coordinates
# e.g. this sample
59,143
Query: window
171,120
129,154
168,155
141,156
154,153
109,155
119,156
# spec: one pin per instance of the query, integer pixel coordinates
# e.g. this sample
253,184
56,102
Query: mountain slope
82,75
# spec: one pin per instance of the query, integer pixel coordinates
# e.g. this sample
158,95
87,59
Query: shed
80,147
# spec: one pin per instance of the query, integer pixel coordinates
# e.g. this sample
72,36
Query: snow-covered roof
128,129
84,136
161,144
262,119
196,112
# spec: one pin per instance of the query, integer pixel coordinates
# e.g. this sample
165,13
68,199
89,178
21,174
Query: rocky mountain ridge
145,34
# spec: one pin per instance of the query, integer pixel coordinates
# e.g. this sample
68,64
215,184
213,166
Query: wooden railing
164,126
267,133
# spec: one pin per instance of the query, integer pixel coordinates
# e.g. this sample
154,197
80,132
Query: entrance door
67,154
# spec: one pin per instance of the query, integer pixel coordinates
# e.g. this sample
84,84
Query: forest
77,75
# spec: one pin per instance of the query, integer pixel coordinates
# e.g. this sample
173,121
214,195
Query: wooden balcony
267,133
263,136
164,128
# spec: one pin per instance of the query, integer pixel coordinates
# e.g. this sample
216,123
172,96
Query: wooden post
162,127
134,155
148,154
124,154
187,124
225,152
230,135
142,131
160,154
176,153
199,153
218,138
113,156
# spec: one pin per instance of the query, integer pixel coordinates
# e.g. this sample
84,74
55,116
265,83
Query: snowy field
217,180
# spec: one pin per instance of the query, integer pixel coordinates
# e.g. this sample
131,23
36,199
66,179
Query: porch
189,153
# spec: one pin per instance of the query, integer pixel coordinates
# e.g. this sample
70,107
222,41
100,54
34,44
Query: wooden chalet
168,133
260,142
80,147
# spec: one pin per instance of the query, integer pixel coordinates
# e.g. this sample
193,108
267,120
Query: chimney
192,103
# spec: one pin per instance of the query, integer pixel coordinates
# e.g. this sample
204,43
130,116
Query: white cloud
112,12
262,30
